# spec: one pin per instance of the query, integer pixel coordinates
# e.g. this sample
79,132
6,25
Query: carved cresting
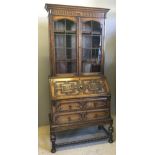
64,10
71,12
76,87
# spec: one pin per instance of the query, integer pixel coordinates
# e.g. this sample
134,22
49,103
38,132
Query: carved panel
94,87
97,104
75,87
97,115
65,88
65,106
80,87
71,12
69,118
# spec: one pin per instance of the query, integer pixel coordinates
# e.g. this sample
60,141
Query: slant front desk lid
77,87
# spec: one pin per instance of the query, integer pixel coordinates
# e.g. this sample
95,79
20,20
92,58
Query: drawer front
97,104
68,118
67,106
97,115
79,105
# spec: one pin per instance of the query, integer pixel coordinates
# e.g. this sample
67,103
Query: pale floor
93,148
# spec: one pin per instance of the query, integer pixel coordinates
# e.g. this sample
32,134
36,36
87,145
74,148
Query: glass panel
91,50
60,54
86,54
65,47
71,40
71,67
59,25
96,68
66,67
96,55
96,41
92,26
87,26
61,67
97,27
70,25
71,53
86,67
87,40
59,40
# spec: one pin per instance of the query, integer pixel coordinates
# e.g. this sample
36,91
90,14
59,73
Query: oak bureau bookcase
79,92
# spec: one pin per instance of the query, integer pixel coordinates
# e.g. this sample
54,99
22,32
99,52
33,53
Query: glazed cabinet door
92,37
65,45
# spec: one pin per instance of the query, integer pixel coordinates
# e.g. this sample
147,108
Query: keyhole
80,87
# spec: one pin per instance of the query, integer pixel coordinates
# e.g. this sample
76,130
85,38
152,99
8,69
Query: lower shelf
81,136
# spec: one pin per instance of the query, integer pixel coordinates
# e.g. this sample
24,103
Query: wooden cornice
68,10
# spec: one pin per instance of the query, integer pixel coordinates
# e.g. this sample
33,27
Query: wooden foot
53,139
110,129
53,150
52,136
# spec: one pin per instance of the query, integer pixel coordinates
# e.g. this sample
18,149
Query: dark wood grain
79,91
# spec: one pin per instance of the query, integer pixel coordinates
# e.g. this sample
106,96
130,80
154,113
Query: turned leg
52,136
53,139
110,129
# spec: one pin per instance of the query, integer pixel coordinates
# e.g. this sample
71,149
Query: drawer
64,106
68,118
97,115
81,104
97,104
